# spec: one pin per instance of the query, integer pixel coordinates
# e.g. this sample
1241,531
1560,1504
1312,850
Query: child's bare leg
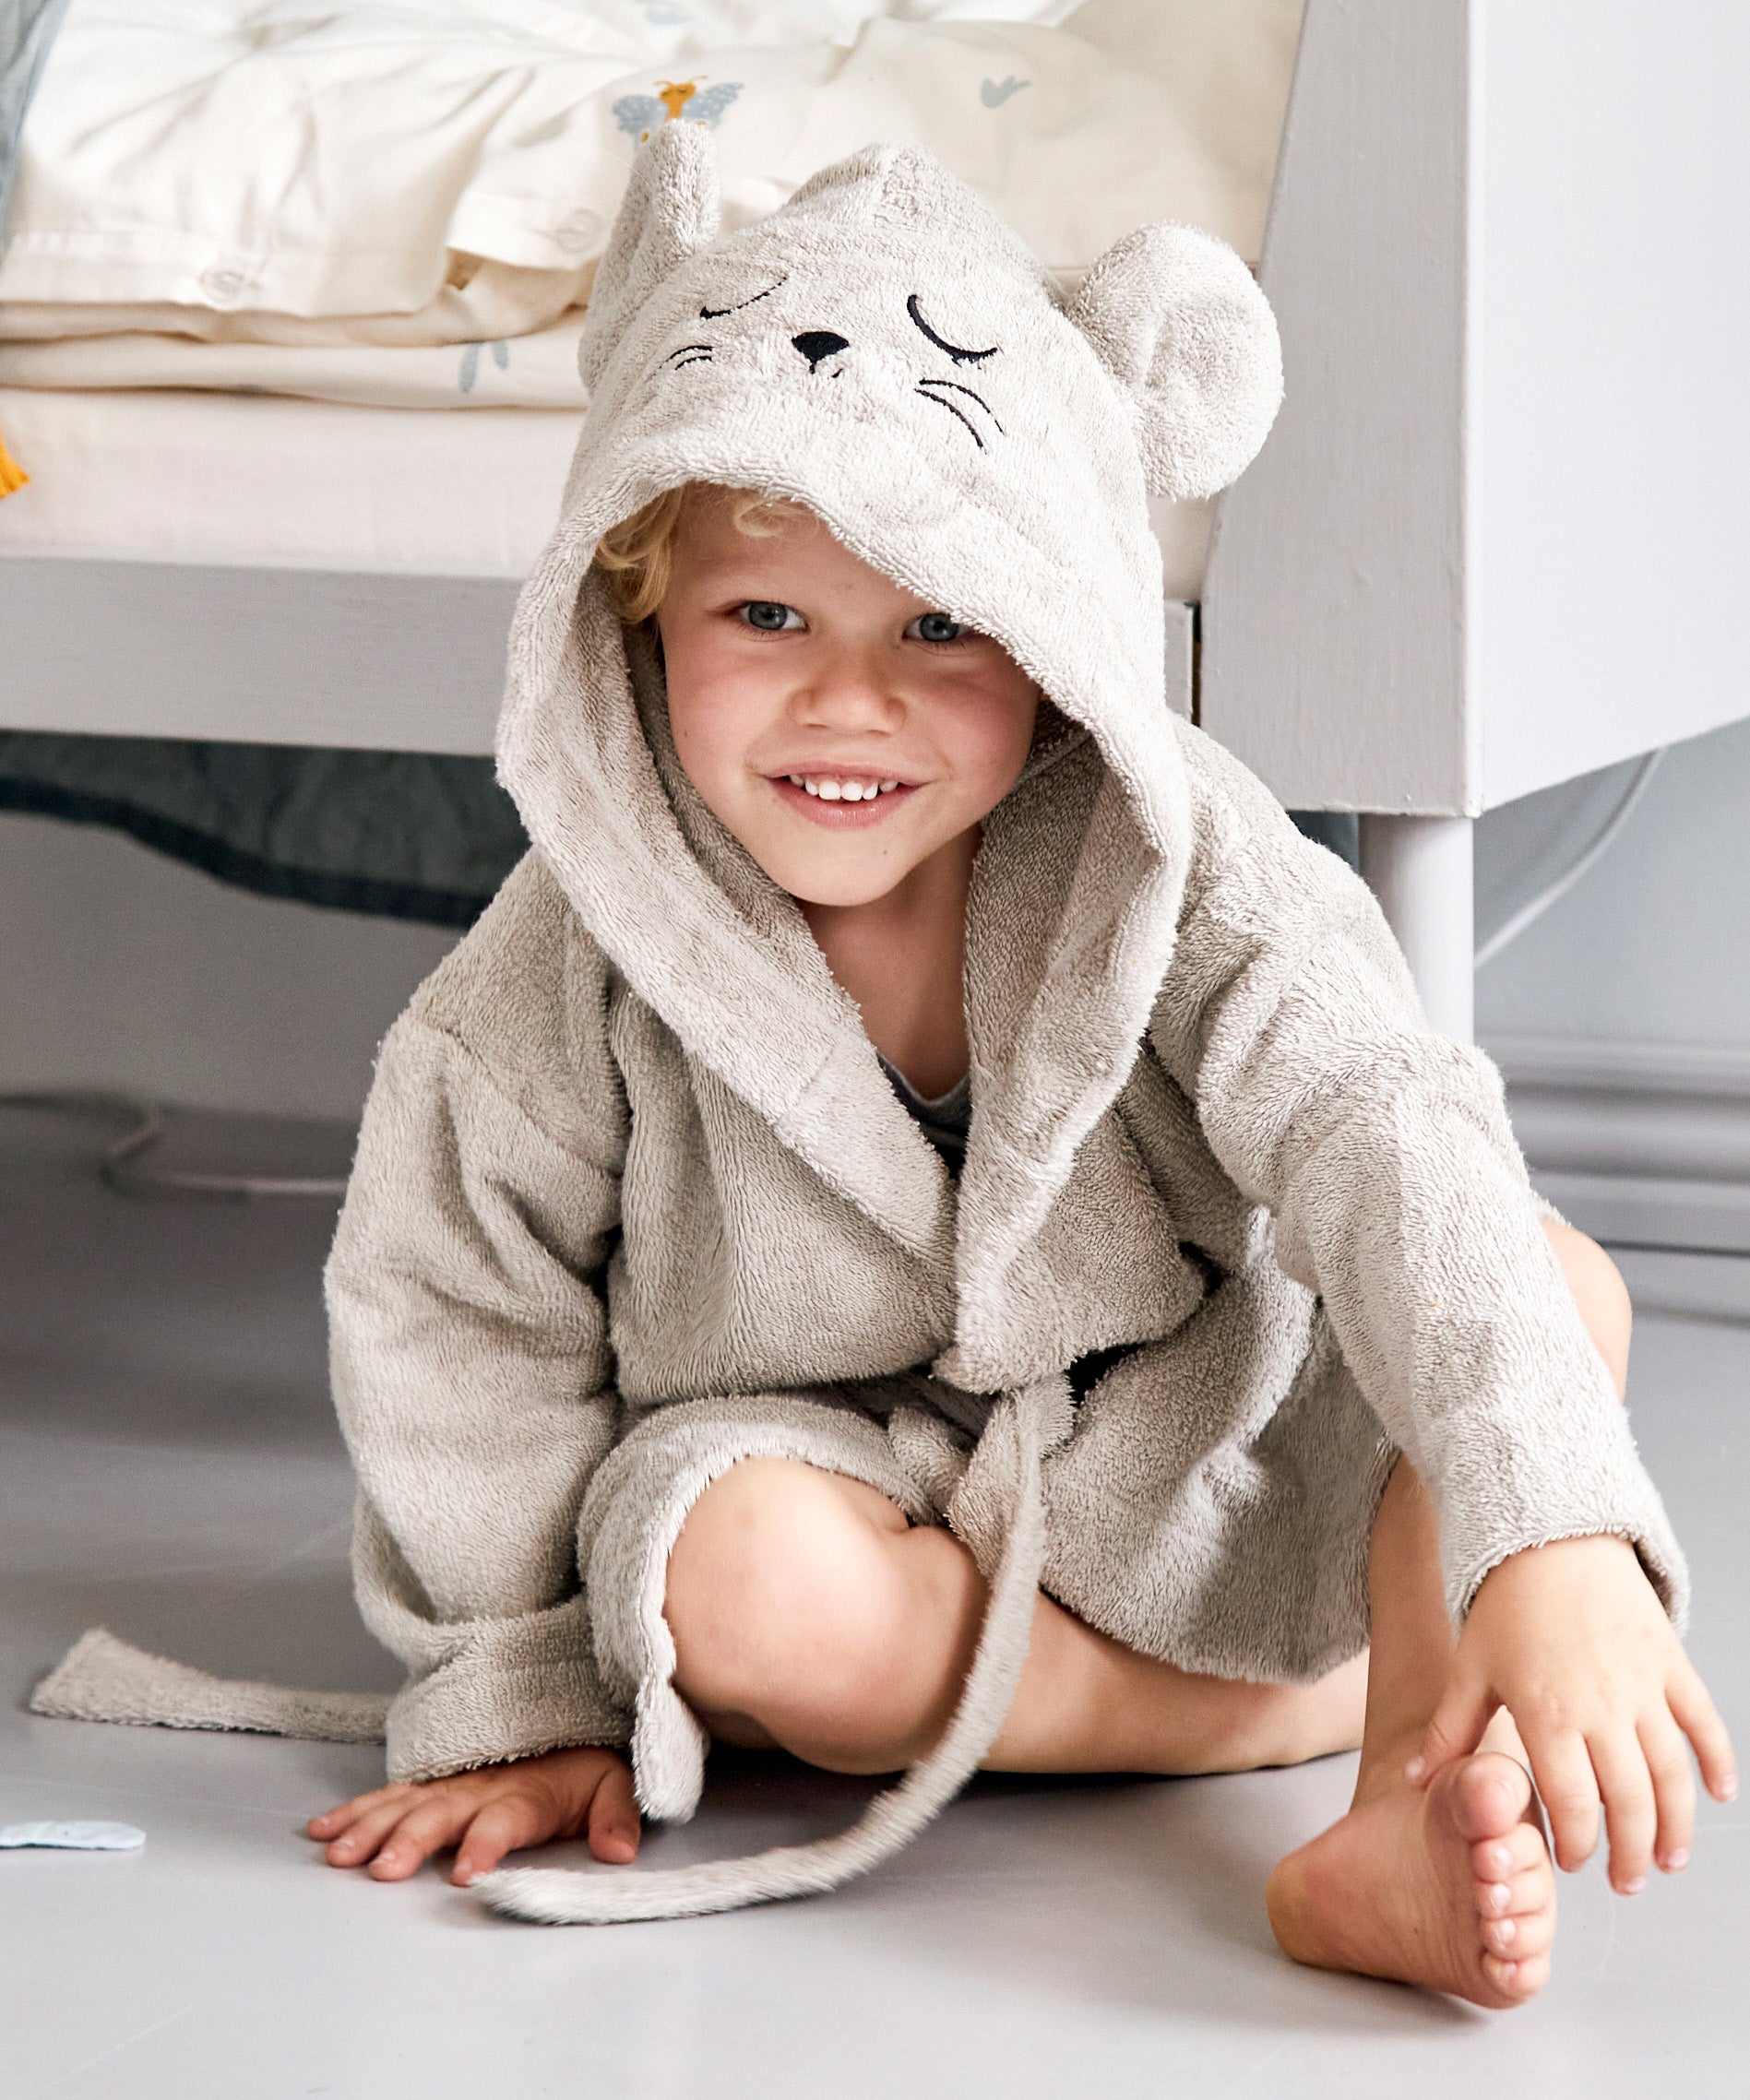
1451,1887
807,1613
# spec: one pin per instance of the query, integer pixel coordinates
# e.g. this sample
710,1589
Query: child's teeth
843,791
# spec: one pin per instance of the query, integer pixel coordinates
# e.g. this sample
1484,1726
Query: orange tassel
12,476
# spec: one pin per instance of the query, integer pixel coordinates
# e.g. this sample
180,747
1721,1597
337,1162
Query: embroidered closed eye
717,313
954,351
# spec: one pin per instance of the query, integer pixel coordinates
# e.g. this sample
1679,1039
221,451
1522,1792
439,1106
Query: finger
613,1818
354,1847
1699,1720
425,1828
1563,1769
1465,1710
1673,1790
506,1825
1631,1814
345,1813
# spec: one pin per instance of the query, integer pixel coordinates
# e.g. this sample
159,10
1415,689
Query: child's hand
1572,1641
485,1814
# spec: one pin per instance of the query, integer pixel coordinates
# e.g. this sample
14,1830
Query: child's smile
840,800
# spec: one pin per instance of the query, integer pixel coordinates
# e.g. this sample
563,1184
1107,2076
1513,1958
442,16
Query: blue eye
771,617
936,627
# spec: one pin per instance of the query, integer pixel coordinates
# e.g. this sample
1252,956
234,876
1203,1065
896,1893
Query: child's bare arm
1572,1640
486,1813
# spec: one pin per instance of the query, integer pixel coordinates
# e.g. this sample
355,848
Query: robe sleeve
1399,1195
474,1380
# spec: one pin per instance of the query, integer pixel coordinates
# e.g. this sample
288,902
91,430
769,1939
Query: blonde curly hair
637,555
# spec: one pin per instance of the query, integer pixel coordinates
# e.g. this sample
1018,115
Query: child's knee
1601,1294
781,1589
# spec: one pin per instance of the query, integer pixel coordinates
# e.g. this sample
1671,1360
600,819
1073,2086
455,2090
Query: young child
926,1226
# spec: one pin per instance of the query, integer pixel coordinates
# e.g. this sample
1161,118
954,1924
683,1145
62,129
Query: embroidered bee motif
674,100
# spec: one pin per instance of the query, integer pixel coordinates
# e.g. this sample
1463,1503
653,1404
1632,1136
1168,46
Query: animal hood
884,352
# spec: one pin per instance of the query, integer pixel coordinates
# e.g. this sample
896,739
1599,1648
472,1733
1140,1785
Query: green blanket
400,834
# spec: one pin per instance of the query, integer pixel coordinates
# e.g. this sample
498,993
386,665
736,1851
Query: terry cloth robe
635,1198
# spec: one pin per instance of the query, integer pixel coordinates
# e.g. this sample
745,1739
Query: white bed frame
1498,537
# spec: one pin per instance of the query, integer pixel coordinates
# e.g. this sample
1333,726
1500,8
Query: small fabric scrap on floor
72,1837
101,1678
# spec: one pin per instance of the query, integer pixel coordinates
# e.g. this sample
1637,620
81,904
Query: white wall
120,967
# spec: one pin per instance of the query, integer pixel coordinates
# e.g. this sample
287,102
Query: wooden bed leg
1420,869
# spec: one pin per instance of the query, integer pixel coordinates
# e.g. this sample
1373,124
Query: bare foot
1451,1889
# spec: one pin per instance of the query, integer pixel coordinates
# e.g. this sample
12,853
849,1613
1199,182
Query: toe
1489,1797
1513,1894
1516,1980
1518,1938
1521,1851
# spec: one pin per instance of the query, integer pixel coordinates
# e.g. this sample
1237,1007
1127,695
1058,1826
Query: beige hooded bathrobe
634,1200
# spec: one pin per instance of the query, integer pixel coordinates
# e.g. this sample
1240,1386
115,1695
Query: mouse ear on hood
1176,318
670,211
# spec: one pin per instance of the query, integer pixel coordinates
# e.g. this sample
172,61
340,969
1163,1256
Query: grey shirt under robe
945,1119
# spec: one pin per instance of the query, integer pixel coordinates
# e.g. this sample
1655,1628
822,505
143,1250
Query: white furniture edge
1497,537
378,662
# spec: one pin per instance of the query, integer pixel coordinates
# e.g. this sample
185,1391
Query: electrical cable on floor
150,1125
1564,882
1672,1247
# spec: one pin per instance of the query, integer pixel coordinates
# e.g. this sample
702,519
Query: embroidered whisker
972,394
955,413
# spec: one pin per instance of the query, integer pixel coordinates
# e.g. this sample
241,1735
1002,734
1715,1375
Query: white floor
169,1469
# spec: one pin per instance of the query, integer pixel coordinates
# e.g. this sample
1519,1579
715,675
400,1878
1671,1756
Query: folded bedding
535,371
408,176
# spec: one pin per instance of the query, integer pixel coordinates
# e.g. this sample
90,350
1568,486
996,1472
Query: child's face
791,662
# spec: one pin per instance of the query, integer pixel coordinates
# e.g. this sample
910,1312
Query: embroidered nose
816,343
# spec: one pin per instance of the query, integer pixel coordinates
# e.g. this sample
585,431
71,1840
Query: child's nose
848,693
816,343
